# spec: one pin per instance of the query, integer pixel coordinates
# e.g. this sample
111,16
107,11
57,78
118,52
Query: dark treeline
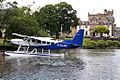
47,20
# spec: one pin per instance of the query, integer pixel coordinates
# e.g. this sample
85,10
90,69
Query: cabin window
33,40
38,41
52,43
48,42
29,40
44,42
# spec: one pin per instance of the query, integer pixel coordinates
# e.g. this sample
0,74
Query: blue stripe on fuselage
60,45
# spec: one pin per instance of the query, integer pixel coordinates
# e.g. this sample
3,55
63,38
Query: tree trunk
57,35
101,34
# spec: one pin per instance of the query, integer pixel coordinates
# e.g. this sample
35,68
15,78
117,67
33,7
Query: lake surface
78,64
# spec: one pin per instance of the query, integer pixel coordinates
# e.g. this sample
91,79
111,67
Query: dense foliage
19,20
53,18
50,19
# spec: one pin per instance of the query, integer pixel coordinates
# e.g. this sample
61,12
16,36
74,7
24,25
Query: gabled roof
101,19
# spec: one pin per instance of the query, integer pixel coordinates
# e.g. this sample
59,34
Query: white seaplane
31,46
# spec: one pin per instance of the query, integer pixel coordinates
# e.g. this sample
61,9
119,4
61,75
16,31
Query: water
78,64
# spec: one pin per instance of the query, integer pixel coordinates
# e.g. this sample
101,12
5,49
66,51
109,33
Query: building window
86,33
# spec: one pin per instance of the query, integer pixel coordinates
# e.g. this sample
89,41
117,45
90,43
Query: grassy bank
4,45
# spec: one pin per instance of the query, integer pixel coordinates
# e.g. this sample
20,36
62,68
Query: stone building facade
105,19
118,32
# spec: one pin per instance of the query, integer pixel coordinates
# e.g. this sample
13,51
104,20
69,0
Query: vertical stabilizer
78,38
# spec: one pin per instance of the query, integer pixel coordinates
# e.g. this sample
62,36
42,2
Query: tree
3,18
1,1
53,17
2,12
20,21
23,25
5,13
47,18
100,30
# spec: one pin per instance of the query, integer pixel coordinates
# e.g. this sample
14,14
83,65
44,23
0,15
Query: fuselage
43,43
50,43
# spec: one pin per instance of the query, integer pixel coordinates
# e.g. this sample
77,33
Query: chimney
105,11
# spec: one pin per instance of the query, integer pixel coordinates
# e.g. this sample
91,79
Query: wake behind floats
43,43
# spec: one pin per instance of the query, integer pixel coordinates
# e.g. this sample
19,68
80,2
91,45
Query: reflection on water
78,64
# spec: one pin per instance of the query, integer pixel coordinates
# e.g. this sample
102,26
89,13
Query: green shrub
101,44
112,44
109,43
115,43
89,44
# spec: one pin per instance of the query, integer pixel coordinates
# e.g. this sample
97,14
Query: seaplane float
31,46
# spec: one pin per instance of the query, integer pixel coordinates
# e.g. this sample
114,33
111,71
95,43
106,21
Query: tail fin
78,38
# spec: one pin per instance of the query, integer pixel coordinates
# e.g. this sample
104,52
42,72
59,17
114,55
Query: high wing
19,35
33,37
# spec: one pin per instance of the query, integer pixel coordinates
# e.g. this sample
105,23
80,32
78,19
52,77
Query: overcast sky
82,6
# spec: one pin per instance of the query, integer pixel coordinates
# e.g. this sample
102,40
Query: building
105,19
118,32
